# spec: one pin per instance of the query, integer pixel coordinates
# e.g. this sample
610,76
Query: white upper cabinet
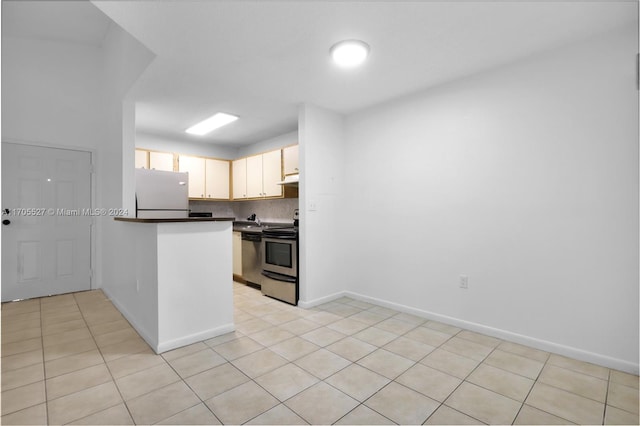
154,160
217,179
254,176
195,166
271,174
291,162
142,159
239,178
257,176
161,161
208,177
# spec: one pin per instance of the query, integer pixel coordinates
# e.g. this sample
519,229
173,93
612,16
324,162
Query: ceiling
67,21
261,59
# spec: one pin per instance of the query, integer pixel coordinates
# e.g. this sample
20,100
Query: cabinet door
161,161
271,174
239,171
237,253
196,169
217,178
291,162
142,159
254,176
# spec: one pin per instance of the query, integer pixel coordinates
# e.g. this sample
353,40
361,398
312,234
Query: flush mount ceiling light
349,53
210,124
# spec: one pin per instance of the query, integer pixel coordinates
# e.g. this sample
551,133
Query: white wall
52,96
133,283
269,145
321,208
161,143
172,296
525,179
51,93
123,61
70,95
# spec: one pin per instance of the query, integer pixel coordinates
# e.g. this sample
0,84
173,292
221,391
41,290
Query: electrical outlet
313,206
464,281
137,286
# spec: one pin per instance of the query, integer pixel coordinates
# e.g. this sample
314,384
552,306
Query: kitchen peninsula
176,285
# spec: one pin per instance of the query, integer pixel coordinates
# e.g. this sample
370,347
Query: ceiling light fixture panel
210,124
349,53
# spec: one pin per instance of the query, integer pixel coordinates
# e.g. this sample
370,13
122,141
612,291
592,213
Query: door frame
93,235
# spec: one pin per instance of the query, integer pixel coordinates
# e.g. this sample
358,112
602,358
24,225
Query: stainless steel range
280,264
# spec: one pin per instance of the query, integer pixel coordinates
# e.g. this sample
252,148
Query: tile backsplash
278,210
218,208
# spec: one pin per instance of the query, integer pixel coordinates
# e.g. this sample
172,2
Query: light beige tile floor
75,359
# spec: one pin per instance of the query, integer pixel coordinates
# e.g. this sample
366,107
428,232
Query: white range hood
290,180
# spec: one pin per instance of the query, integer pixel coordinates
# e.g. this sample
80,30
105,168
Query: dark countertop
253,227
185,219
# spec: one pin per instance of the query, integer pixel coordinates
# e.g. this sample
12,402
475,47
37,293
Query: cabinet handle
209,195
202,195
296,169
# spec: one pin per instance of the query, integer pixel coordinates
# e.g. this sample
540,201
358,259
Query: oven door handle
279,277
278,237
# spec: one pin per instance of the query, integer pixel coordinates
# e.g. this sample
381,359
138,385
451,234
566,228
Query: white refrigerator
161,194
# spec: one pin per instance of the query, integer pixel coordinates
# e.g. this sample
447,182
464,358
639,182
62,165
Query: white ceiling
261,59
67,21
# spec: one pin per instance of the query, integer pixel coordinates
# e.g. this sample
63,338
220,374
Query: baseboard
307,304
568,351
144,333
194,338
160,347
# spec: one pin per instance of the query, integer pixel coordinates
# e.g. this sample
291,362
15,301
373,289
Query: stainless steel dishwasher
252,257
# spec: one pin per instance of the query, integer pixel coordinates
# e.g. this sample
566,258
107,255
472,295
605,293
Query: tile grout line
535,381
306,371
546,362
496,347
113,380
297,393
463,380
606,398
355,362
531,389
44,366
394,379
190,388
573,393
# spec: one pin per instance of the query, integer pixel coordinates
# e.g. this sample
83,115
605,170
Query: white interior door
46,230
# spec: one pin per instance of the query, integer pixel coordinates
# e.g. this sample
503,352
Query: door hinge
92,169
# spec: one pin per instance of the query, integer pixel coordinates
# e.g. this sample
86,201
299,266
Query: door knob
6,222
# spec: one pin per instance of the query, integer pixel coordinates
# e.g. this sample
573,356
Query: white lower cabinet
237,253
